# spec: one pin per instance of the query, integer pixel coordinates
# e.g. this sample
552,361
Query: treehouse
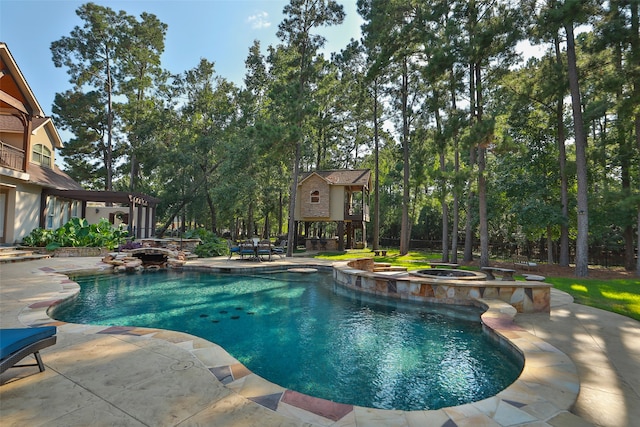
334,205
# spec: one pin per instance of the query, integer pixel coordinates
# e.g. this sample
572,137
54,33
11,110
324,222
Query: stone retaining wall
525,297
68,251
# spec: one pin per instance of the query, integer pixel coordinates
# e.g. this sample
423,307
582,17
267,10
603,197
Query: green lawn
413,260
620,296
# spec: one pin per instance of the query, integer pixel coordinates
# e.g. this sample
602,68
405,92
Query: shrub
77,232
210,244
38,238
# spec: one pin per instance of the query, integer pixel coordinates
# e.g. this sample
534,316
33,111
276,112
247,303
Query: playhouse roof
346,177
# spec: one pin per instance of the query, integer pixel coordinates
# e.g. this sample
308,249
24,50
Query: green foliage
221,156
112,54
210,246
77,232
38,238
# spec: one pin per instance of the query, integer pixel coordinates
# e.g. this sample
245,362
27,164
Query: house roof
51,177
8,89
17,98
345,177
13,124
10,123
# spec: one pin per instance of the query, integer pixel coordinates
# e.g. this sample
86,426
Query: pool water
307,334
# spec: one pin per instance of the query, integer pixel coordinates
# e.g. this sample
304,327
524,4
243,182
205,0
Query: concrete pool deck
136,376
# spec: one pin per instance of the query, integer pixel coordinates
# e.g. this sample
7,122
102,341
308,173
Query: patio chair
247,249
264,249
233,249
281,250
16,344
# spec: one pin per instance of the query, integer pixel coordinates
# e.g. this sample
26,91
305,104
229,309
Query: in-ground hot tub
449,273
359,275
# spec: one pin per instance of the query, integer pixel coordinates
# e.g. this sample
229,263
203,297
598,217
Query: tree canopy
470,143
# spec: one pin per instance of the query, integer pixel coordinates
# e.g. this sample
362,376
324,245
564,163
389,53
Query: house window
315,196
51,213
41,155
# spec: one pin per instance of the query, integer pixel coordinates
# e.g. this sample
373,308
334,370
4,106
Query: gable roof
50,128
14,85
16,96
13,124
345,177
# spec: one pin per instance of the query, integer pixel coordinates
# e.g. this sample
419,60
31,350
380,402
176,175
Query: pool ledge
543,393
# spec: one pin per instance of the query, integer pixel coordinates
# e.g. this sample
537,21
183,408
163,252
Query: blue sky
219,30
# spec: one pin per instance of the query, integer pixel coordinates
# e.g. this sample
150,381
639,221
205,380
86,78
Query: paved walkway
121,376
605,348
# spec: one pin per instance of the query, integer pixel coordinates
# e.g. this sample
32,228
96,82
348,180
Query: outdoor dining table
252,247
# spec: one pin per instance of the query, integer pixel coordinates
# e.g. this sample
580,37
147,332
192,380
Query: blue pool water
307,334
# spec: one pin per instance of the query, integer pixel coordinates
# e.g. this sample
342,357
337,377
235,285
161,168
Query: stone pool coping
545,390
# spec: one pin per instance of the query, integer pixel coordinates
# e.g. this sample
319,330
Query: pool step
381,264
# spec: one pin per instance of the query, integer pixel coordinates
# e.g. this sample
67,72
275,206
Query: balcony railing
356,213
11,157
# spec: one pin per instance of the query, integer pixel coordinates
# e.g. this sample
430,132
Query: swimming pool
306,334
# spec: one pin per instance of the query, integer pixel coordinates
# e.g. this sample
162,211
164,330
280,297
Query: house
28,139
34,192
335,196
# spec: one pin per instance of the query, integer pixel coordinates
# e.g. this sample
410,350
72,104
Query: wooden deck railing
357,213
11,157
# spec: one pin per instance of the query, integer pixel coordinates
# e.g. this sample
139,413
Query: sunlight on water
306,334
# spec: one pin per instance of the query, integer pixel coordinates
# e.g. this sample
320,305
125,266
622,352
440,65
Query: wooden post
341,235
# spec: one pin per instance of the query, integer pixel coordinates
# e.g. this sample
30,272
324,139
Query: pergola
142,212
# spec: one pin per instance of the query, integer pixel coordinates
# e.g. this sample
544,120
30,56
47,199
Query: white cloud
259,21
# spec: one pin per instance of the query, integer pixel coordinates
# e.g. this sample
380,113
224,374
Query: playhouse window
315,196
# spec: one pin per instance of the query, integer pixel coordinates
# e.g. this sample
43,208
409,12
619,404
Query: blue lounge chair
16,344
233,248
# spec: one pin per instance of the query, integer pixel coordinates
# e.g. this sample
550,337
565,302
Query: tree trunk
291,232
635,59
212,212
251,226
404,227
468,233
468,239
549,245
563,259
267,226
109,157
456,168
456,223
482,209
376,194
280,210
443,194
582,240
482,183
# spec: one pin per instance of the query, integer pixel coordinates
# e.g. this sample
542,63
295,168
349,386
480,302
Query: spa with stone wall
525,297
